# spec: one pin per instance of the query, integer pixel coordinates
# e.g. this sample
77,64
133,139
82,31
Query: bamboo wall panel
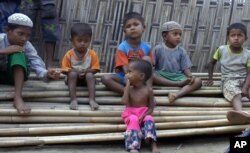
204,23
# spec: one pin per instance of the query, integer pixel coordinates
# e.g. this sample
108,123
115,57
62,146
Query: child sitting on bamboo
132,47
18,57
235,71
139,101
172,63
81,63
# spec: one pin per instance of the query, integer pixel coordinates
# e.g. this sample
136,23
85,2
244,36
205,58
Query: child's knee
147,58
133,119
148,118
198,81
90,76
105,78
72,74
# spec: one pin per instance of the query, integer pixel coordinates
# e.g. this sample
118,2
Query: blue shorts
121,76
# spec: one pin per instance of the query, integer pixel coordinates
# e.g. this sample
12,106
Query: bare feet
134,151
73,104
184,82
21,107
172,97
238,117
93,105
154,147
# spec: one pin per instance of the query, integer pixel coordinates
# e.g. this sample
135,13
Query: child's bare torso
139,97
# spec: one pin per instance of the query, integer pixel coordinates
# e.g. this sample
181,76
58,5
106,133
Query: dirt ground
206,144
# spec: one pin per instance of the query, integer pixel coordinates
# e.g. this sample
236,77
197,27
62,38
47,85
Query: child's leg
149,132
133,134
90,79
185,90
236,102
19,104
158,80
112,82
72,81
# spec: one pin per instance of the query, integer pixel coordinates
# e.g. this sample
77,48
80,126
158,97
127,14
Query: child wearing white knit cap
172,63
18,57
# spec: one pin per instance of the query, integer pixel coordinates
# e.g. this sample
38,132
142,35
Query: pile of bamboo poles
51,122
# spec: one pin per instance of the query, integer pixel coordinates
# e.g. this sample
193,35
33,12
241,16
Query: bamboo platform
52,122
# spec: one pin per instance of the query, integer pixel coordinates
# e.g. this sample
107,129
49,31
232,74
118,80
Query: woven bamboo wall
204,23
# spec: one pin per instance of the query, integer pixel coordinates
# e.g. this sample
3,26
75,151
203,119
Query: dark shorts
121,77
16,59
48,17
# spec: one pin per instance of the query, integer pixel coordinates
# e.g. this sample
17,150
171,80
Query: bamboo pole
24,141
77,119
108,107
37,94
37,86
160,100
98,75
105,128
46,112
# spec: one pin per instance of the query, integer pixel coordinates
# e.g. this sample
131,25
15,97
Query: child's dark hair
133,15
240,26
81,29
11,26
143,66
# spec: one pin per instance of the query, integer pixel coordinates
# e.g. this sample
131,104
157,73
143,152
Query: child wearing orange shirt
81,63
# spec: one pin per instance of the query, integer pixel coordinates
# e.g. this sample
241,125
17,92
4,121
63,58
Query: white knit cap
171,25
20,19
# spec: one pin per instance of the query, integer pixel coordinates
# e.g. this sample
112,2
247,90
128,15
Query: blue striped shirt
34,61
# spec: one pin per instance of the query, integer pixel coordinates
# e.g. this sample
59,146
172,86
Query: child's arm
11,49
246,85
211,65
151,105
189,75
125,97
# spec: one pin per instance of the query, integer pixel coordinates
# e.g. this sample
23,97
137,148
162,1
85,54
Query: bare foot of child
93,105
21,107
134,151
238,117
172,97
184,82
73,105
154,147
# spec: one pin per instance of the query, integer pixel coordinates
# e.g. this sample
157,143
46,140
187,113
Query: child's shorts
7,77
121,77
171,76
232,87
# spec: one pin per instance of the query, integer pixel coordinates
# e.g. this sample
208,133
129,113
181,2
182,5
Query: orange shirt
125,52
72,61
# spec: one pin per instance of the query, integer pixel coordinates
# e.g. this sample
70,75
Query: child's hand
54,74
13,49
191,78
208,83
127,83
127,80
81,75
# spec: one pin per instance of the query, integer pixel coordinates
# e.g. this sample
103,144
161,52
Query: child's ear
142,76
